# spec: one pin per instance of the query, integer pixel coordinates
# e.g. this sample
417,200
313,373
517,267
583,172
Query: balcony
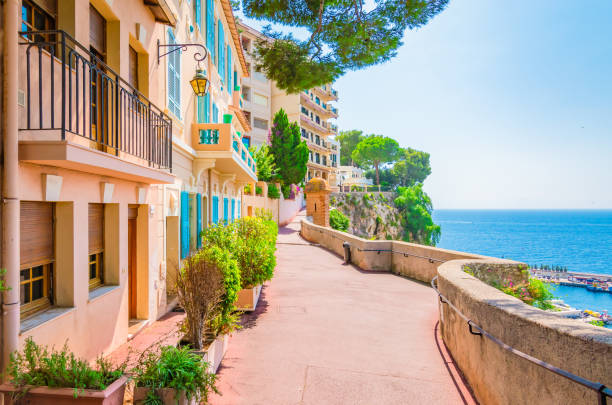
320,109
221,147
76,112
307,122
326,93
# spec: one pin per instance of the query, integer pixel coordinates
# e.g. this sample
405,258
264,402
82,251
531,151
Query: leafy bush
247,189
176,368
415,207
273,191
254,250
37,366
338,220
596,322
286,190
258,190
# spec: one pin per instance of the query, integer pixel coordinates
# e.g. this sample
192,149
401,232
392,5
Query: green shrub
273,191
258,190
38,366
177,368
595,322
286,190
247,189
338,220
254,250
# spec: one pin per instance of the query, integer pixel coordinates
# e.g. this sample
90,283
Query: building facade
112,165
311,109
352,176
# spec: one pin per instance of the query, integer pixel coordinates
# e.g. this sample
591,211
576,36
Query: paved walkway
325,333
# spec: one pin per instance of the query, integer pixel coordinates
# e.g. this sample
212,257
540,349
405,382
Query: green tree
412,167
375,150
415,207
348,140
344,35
289,151
266,169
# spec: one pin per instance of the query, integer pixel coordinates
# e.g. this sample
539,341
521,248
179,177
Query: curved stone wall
498,376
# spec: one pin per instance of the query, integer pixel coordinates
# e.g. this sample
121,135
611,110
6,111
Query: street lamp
199,83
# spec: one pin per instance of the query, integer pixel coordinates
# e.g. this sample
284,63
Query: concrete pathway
326,333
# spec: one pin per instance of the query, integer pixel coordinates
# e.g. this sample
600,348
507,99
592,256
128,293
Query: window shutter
199,219
225,209
239,205
184,224
201,108
96,228
36,227
221,58
174,78
210,27
229,69
215,113
215,207
198,13
207,108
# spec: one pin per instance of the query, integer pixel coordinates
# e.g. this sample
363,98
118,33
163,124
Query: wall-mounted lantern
200,82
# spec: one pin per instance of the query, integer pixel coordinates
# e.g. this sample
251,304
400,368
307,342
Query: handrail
603,392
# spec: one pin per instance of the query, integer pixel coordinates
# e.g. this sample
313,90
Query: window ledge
101,291
44,316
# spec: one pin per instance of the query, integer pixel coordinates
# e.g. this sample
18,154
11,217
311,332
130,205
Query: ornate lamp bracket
198,57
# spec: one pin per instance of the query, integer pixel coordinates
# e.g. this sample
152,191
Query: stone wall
495,375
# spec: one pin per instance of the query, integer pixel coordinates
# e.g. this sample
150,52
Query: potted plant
207,287
172,376
42,376
227,118
254,251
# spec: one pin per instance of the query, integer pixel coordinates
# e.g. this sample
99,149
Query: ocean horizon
579,239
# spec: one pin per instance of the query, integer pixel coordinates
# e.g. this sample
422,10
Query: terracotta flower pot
167,395
112,395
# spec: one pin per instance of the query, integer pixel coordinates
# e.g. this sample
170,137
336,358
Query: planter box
168,396
215,352
248,298
113,395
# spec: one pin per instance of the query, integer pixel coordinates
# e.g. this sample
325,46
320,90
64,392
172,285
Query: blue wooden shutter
199,219
201,109
215,114
184,224
221,46
225,209
215,207
236,78
207,108
174,79
233,209
210,27
198,14
239,206
229,70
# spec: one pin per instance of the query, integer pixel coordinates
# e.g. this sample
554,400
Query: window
38,18
317,100
317,158
259,123
304,133
259,76
246,44
304,110
37,255
247,114
325,160
260,100
174,79
246,93
318,120
317,140
96,245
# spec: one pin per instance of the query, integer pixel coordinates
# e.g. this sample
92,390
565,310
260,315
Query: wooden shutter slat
96,228
97,30
36,227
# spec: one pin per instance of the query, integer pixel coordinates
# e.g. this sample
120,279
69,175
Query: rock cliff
371,215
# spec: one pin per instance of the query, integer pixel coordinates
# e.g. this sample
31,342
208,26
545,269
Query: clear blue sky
512,99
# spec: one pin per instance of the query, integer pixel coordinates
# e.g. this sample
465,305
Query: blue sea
580,240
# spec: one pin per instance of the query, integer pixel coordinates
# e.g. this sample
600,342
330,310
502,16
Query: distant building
311,109
352,176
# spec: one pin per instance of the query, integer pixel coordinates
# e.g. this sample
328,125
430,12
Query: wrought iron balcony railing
70,90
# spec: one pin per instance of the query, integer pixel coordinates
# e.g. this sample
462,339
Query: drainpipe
10,185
